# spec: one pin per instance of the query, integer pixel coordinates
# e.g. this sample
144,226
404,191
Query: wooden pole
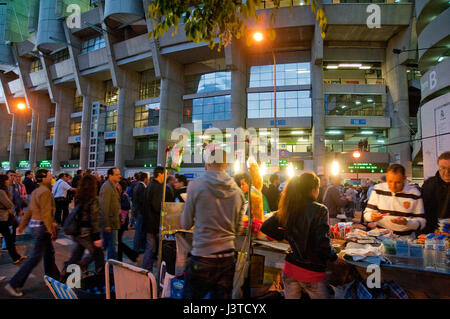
163,211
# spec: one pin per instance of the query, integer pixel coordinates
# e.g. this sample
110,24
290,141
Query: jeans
96,253
214,275
293,288
111,242
62,211
43,247
139,234
151,251
8,240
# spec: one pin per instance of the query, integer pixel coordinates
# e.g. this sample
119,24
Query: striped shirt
407,203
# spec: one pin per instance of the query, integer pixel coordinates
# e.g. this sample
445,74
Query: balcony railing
348,147
366,81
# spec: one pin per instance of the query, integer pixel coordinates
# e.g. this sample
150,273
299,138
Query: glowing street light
237,167
21,106
335,168
263,170
258,37
356,154
290,171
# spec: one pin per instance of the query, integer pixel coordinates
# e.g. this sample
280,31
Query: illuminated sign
45,164
23,164
366,168
5,165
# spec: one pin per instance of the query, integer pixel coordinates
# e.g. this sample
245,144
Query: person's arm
188,215
5,201
372,207
417,222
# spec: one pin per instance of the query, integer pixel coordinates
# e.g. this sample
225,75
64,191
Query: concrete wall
92,59
345,121
5,127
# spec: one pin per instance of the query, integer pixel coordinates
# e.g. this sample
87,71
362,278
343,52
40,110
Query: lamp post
356,156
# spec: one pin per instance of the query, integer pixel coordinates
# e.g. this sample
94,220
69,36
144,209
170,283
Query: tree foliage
206,20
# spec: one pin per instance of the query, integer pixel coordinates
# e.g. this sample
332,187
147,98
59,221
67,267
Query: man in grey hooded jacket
214,206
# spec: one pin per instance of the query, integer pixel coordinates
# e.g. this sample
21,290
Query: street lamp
356,156
21,106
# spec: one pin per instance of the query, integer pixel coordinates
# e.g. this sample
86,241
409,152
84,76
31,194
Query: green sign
45,164
366,168
23,164
5,165
148,165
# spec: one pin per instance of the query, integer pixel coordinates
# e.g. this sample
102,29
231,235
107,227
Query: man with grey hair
214,206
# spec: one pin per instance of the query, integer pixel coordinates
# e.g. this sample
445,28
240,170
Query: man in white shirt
59,191
395,205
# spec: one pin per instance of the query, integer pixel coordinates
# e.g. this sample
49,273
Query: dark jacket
333,200
29,185
109,202
273,196
178,193
90,220
75,181
138,198
307,235
152,208
436,195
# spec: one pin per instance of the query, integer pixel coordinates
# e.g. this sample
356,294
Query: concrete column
171,103
94,92
318,112
18,139
128,94
40,105
5,127
61,149
236,60
398,104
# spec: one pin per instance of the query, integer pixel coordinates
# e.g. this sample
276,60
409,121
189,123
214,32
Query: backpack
71,224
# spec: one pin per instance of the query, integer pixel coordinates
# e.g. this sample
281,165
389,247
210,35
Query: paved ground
35,287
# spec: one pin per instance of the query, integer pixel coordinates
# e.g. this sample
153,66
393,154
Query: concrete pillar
236,60
61,149
18,139
40,104
318,112
128,94
5,127
171,103
94,92
398,104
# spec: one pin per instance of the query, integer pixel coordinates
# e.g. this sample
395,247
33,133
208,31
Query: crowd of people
302,209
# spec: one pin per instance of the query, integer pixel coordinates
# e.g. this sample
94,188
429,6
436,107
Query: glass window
216,108
210,82
77,103
112,97
75,151
149,89
61,55
28,135
146,115
110,147
289,104
93,44
354,104
111,120
36,66
287,74
75,127
50,131
146,148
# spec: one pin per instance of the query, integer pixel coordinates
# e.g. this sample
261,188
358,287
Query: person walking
333,199
29,182
304,224
124,219
109,202
151,216
40,218
214,206
272,193
139,203
77,178
16,197
89,227
59,191
6,212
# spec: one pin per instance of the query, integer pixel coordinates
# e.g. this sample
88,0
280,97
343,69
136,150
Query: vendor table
418,282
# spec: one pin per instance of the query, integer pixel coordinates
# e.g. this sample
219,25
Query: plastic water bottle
441,250
429,256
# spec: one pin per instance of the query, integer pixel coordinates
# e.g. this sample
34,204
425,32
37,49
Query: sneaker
12,291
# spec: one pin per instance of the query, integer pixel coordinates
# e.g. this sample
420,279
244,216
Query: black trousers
62,210
8,238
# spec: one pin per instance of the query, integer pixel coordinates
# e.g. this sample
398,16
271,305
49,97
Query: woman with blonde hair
303,223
